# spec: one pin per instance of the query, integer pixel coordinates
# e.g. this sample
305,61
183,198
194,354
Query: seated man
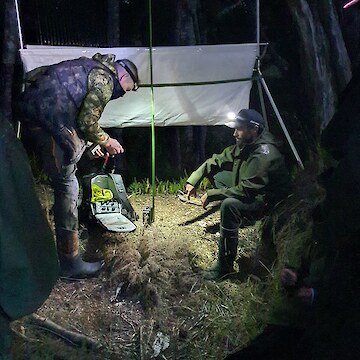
248,176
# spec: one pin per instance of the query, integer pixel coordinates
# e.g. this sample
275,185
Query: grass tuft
144,187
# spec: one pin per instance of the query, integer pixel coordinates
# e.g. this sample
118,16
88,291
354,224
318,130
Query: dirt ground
151,300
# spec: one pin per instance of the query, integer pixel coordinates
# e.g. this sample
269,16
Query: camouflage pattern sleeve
100,88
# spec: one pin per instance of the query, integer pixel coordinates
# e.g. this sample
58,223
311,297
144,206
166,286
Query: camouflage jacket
68,98
258,169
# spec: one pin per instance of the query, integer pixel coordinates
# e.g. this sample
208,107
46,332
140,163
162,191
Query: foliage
39,175
224,316
163,186
199,319
178,303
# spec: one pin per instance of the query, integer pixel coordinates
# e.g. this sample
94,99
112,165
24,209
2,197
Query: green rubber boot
224,265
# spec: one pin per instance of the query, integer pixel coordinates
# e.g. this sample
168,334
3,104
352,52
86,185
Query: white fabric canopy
206,104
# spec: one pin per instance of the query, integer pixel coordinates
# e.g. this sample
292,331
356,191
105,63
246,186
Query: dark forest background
312,52
312,67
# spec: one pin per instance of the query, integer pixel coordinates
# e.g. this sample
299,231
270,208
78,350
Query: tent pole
262,103
282,124
152,211
18,124
19,24
258,27
261,95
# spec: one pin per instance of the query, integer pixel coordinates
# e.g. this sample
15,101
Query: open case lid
111,214
115,222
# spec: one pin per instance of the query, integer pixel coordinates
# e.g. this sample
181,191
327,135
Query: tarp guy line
19,24
152,211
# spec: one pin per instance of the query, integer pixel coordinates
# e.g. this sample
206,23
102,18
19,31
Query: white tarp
206,104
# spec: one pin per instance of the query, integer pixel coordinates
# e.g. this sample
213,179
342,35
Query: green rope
152,85
201,82
152,213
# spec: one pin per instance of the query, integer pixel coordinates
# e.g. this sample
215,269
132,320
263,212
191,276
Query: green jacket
28,261
258,169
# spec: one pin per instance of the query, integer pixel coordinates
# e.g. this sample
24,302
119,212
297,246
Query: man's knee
235,212
229,205
230,213
66,181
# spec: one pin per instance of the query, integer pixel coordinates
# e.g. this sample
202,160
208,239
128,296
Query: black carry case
116,214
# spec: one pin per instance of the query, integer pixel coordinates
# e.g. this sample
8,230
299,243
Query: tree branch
71,337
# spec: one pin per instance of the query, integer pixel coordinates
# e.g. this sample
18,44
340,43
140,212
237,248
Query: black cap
131,69
247,117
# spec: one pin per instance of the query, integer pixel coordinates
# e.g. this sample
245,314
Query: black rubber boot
71,264
76,268
224,265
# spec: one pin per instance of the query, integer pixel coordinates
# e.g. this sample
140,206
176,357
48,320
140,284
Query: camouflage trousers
62,177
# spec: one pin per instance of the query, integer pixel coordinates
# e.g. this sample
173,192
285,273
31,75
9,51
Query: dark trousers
236,213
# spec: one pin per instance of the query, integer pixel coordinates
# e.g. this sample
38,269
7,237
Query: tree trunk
317,72
113,23
10,47
350,24
339,57
200,140
173,143
188,32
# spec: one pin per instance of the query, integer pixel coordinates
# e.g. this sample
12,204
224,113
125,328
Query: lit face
126,82
245,135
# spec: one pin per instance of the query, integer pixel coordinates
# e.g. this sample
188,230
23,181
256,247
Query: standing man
248,177
60,110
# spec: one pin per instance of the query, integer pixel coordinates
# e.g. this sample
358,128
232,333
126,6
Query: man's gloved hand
190,190
288,277
306,295
113,147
